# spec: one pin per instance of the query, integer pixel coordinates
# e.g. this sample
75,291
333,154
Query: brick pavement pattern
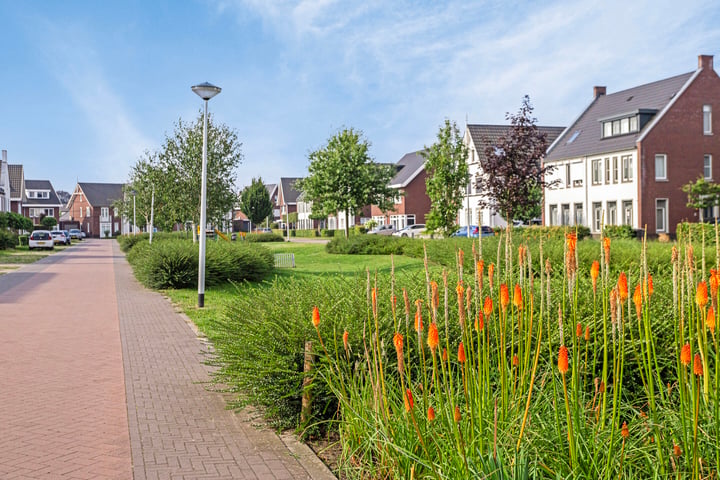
62,392
179,429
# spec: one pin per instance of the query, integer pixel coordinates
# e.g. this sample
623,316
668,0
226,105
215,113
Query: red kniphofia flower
504,296
460,292
408,400
622,287
345,339
457,415
697,365
625,431
710,320
563,360
444,355
587,334
606,248
480,321
398,342
578,330
594,272
431,414
435,294
461,255
316,317
571,240
491,274
515,361
686,354
701,295
480,267
517,297
461,353
637,299
433,339
488,306
418,321
650,287
677,451
374,299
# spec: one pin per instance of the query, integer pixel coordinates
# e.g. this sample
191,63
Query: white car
411,231
41,239
59,237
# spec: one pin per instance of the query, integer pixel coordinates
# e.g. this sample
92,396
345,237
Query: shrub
619,231
264,237
307,233
696,231
8,240
367,245
325,232
127,242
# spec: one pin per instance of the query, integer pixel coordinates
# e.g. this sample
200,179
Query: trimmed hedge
619,231
263,237
8,240
367,245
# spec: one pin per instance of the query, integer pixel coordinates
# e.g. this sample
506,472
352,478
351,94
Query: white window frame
579,214
625,219
607,170
616,171
707,119
611,213
661,173
597,216
664,208
596,171
565,219
87,211
627,168
553,214
707,167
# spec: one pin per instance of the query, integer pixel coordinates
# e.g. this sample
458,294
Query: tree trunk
347,222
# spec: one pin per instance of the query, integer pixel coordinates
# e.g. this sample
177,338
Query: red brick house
92,206
287,197
412,202
626,157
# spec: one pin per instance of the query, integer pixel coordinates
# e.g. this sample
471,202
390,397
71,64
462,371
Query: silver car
411,231
382,230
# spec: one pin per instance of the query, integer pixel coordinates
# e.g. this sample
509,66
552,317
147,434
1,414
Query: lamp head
206,90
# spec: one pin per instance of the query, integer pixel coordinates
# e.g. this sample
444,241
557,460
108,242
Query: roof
408,167
484,136
15,172
102,194
41,185
653,96
287,185
271,188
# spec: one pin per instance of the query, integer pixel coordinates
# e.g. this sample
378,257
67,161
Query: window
597,216
575,134
104,212
624,126
553,215
661,166
615,170
567,175
596,172
81,212
627,212
565,214
707,167
616,127
627,168
707,119
633,124
611,213
607,129
607,170
579,218
87,211
31,194
661,214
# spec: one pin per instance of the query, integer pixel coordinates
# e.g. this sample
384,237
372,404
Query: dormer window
619,126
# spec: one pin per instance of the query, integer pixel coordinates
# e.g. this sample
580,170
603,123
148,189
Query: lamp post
134,193
206,91
152,214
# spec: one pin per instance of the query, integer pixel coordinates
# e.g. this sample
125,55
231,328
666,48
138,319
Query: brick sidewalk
179,429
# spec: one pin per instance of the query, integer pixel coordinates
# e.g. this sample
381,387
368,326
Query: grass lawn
310,260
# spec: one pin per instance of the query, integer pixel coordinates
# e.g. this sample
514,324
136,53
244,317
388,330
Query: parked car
411,231
382,230
463,231
487,231
68,240
59,237
76,234
41,239
264,230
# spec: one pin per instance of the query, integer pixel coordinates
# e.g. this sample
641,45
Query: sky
88,87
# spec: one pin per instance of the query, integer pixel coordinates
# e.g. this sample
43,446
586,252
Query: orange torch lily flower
686,354
488,306
408,400
697,365
650,287
431,414
504,296
594,272
677,451
345,339
435,295
418,321
606,249
563,360
316,317
461,353
578,330
515,360
517,297
625,431
491,274
456,414
701,295
587,334
480,321
710,320
622,287
433,339
637,299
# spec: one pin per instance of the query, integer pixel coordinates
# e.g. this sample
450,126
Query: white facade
4,183
471,213
594,191
304,209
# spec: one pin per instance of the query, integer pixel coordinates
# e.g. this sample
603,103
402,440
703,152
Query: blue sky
89,86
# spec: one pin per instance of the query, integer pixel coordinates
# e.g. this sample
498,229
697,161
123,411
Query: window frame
625,204
611,207
607,170
597,216
553,214
707,157
627,168
665,209
596,171
663,158
707,119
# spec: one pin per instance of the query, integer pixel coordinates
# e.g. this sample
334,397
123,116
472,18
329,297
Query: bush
263,237
173,263
547,233
311,233
8,240
619,231
325,232
367,245
696,231
127,242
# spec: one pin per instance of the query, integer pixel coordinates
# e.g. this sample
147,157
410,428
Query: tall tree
342,177
512,169
255,201
447,176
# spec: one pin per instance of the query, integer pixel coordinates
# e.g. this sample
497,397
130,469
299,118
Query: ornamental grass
631,391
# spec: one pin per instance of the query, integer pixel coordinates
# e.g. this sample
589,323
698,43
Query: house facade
477,138
40,201
4,183
412,203
272,189
16,174
626,157
92,206
287,198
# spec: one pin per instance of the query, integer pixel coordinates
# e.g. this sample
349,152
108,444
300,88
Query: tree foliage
255,201
512,169
702,194
48,222
174,172
447,176
342,177
15,221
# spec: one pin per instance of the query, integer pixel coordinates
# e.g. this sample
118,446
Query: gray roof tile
102,194
287,185
41,185
487,135
16,180
407,168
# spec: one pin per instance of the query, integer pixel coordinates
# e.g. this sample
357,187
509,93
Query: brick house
40,200
626,157
412,203
92,206
477,138
16,175
287,198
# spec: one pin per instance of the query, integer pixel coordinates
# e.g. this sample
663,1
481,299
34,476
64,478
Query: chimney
597,91
705,61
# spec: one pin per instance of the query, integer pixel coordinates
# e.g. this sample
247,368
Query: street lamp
206,91
134,193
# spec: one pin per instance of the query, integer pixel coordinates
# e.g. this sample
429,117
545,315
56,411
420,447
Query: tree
701,195
255,201
447,175
48,222
174,173
512,170
344,178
